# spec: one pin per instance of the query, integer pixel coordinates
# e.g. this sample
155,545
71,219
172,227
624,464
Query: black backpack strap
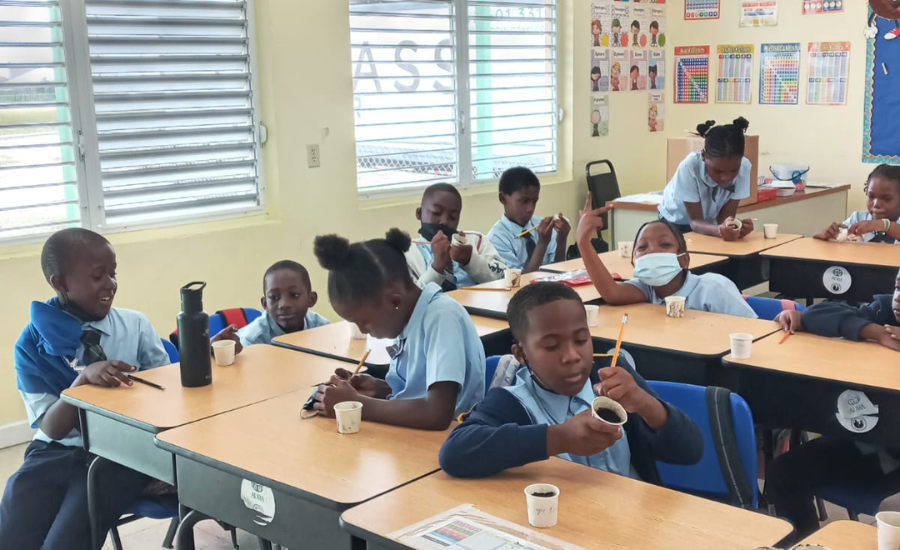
721,423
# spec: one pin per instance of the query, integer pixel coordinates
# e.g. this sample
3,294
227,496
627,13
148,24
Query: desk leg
93,497
184,540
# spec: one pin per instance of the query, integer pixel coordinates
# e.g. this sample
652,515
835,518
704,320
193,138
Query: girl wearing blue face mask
661,262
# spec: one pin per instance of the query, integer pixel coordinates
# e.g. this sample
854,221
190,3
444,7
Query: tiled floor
148,534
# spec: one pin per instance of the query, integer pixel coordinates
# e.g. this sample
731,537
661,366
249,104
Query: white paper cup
740,345
542,510
675,306
610,405
736,224
843,235
888,530
771,230
512,277
223,350
349,416
356,334
626,248
593,314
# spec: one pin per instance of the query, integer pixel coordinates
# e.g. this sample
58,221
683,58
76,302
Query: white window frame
85,135
463,100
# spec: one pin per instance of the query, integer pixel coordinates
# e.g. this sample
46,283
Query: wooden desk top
597,510
809,193
334,339
259,372
697,333
863,363
310,455
845,535
616,264
497,301
876,254
754,243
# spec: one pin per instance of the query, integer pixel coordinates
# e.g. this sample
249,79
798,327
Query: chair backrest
171,350
769,308
603,186
490,367
222,318
706,477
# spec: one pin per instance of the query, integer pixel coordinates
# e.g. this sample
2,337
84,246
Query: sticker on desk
468,528
260,499
837,280
856,413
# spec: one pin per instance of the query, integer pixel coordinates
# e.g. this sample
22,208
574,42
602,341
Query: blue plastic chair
861,497
490,367
705,478
769,308
166,508
171,350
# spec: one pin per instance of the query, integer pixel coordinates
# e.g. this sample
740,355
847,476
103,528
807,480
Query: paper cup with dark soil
542,500
609,411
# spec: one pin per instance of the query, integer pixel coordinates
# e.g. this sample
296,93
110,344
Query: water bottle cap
192,297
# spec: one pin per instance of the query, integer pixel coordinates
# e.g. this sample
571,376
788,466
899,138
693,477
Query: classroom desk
806,269
700,264
745,267
597,510
805,212
119,424
687,350
312,472
845,535
492,304
797,384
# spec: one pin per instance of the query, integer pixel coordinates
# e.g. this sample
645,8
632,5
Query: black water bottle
193,337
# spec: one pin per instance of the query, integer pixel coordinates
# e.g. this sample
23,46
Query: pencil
784,338
527,231
485,289
145,382
603,355
619,341
361,362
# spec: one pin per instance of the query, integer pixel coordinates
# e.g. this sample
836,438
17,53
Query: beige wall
304,80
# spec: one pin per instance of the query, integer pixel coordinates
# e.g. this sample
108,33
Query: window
123,114
452,91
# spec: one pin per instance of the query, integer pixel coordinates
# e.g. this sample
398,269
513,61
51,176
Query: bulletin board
881,140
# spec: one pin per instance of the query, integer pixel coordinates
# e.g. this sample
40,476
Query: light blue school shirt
511,247
708,292
125,335
551,409
691,183
865,216
438,344
263,329
462,278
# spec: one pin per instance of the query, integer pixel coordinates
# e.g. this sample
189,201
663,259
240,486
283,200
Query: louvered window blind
118,114
452,91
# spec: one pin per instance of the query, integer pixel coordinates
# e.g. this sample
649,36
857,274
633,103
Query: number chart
812,7
733,82
829,63
779,75
692,74
701,9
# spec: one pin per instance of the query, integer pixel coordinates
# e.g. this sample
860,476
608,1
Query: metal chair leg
820,507
184,540
93,473
853,515
234,538
116,540
264,544
170,534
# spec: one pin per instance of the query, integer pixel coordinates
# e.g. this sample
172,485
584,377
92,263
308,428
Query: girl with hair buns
704,193
437,361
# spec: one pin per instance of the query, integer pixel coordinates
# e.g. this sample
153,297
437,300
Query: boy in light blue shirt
704,193
526,241
287,297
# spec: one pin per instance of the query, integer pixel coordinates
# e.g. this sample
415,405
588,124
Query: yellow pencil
603,355
527,231
619,341
361,362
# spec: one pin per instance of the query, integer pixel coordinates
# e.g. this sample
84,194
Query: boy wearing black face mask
452,259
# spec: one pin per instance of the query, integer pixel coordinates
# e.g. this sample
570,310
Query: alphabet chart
692,74
701,9
779,74
733,82
829,63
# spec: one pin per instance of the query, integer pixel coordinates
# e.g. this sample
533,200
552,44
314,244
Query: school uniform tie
530,245
93,353
449,283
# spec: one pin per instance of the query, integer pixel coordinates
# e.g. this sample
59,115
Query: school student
520,191
74,339
661,269
794,478
437,360
704,193
878,321
452,259
880,223
547,412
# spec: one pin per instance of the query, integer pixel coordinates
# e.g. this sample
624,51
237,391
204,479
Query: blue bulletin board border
867,155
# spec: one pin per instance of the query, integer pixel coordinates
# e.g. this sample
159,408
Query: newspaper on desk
468,528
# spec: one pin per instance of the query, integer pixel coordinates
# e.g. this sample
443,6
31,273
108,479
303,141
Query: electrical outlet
312,155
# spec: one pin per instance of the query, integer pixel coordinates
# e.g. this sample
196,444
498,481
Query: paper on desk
468,528
645,198
822,185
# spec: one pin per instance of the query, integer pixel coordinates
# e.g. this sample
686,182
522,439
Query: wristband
887,225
